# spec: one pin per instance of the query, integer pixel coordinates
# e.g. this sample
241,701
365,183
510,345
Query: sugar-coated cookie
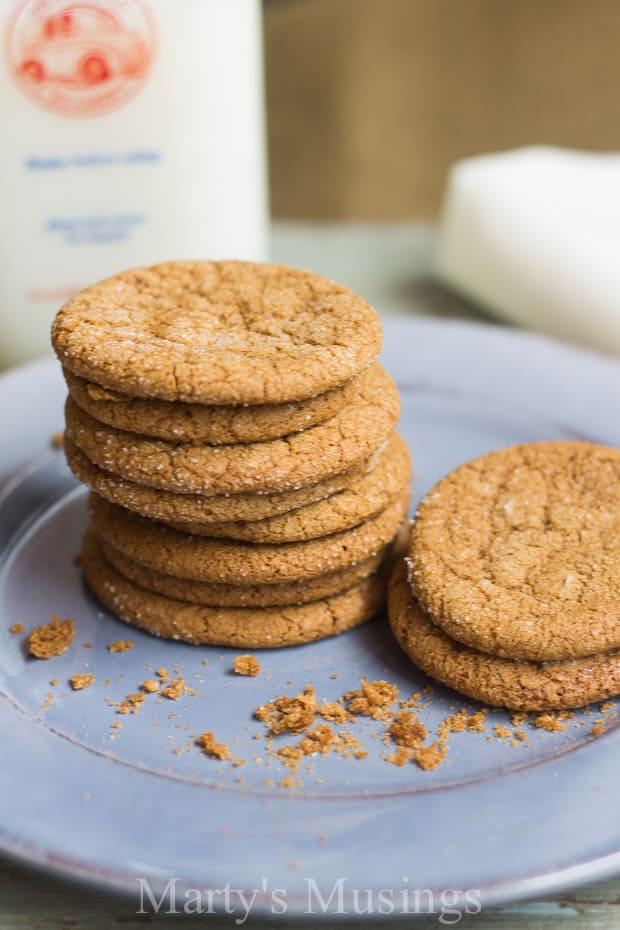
517,552
168,505
218,594
278,465
517,684
181,422
201,558
364,498
241,627
217,333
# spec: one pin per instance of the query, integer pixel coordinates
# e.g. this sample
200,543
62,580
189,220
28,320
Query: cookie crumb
553,722
289,714
477,722
17,628
400,757
150,685
120,645
407,731
57,439
373,699
455,723
334,712
501,732
290,782
320,739
174,690
247,665
79,682
130,705
51,639
430,757
210,747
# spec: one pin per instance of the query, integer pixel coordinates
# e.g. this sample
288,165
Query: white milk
132,133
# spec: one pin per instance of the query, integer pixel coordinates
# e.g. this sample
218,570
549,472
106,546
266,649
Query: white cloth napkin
533,235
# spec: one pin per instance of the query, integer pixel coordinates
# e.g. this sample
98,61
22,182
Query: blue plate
137,806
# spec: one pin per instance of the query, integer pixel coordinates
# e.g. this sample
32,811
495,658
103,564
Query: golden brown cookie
180,422
166,505
520,685
246,627
216,594
516,553
279,465
364,498
217,333
203,559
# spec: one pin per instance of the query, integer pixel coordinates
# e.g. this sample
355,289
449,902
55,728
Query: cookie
278,465
166,505
363,499
516,684
516,553
217,560
181,422
215,594
245,627
217,333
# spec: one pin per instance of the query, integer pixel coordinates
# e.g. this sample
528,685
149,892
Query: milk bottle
132,133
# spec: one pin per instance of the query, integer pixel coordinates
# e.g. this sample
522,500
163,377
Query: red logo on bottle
81,59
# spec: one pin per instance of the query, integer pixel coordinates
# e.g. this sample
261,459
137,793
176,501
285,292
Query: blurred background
455,157
370,102
480,139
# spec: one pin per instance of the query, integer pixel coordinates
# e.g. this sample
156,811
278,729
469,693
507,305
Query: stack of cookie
512,593
238,437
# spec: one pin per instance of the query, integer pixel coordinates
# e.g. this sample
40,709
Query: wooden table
389,266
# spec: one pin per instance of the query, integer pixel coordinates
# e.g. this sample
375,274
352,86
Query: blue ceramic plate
494,822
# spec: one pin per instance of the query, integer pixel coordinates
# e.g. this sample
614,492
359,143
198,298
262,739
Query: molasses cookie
217,333
245,627
167,505
199,423
216,594
520,685
218,560
516,553
278,465
363,499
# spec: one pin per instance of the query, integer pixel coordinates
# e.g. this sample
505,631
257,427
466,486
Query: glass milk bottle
132,133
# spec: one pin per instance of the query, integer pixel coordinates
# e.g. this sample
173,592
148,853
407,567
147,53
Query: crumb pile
404,732
298,728
238,436
510,588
